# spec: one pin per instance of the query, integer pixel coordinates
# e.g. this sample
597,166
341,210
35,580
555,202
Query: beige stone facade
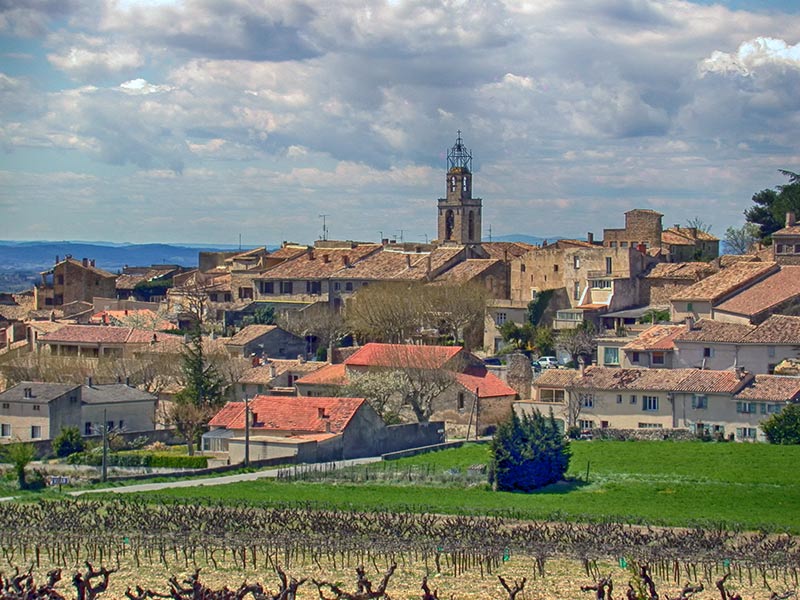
72,280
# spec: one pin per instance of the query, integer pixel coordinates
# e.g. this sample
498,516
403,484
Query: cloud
753,55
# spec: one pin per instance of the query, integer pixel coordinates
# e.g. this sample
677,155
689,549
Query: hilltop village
350,348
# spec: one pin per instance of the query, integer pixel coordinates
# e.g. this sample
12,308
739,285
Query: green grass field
667,483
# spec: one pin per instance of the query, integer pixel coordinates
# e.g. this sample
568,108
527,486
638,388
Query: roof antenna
324,226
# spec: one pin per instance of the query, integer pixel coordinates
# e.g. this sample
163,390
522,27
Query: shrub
140,459
68,441
527,453
784,427
19,455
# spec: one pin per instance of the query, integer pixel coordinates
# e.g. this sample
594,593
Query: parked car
537,368
548,362
492,360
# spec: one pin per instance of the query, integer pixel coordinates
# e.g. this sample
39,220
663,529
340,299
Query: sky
200,121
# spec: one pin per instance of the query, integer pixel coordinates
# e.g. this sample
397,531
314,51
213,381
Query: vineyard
141,544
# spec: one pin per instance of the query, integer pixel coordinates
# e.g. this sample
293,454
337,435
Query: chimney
154,340
791,219
346,260
581,366
89,381
85,262
590,237
677,226
689,323
740,373
429,264
311,254
128,381
384,241
321,413
91,262
273,372
327,426
56,258
408,261
301,359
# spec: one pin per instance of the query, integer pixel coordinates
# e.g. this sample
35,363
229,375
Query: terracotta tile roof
593,306
327,375
313,265
793,230
127,281
767,293
390,265
778,329
466,271
556,378
250,333
657,337
299,415
144,316
403,355
503,250
775,388
706,330
78,263
573,243
166,343
488,384
263,374
717,286
685,270
726,260
287,252
97,334
708,382
46,326
670,237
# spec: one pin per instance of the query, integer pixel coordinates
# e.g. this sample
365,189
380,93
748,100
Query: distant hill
21,262
526,239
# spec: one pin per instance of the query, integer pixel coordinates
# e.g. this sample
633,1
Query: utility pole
324,226
246,431
104,473
477,411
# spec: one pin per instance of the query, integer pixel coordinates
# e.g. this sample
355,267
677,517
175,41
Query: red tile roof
717,286
403,356
793,230
487,384
707,382
775,388
657,337
98,334
320,263
298,415
466,271
327,375
263,374
249,334
778,329
706,330
686,270
767,293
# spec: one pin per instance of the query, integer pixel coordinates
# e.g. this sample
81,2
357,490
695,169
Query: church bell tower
459,212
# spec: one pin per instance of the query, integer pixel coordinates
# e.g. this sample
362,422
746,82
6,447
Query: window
633,398
797,248
551,396
623,244
87,428
587,400
286,287
658,358
774,409
461,401
619,398
763,409
121,424
5,429
336,286
37,407
313,287
746,408
576,293
601,284
500,318
36,432
708,352
266,287
6,405
650,426
613,244
689,307
779,248
110,425
245,293
348,287
555,268
521,268
649,403
227,297
608,265
576,261
585,424
699,402
746,433
611,356
634,357
771,351
260,388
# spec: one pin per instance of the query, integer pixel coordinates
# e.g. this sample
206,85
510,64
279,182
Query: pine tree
528,452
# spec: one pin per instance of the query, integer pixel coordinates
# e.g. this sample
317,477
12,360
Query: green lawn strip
661,503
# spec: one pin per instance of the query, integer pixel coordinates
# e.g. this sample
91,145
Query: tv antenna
324,226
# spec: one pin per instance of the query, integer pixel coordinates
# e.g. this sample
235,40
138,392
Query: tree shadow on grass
565,486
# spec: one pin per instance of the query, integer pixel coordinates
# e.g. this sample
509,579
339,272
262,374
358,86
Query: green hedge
140,459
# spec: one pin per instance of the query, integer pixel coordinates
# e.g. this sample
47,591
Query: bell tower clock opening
459,212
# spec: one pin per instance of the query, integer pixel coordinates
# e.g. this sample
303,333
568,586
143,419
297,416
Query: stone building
642,227
73,280
459,213
786,242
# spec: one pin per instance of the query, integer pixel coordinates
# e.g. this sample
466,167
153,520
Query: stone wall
643,434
